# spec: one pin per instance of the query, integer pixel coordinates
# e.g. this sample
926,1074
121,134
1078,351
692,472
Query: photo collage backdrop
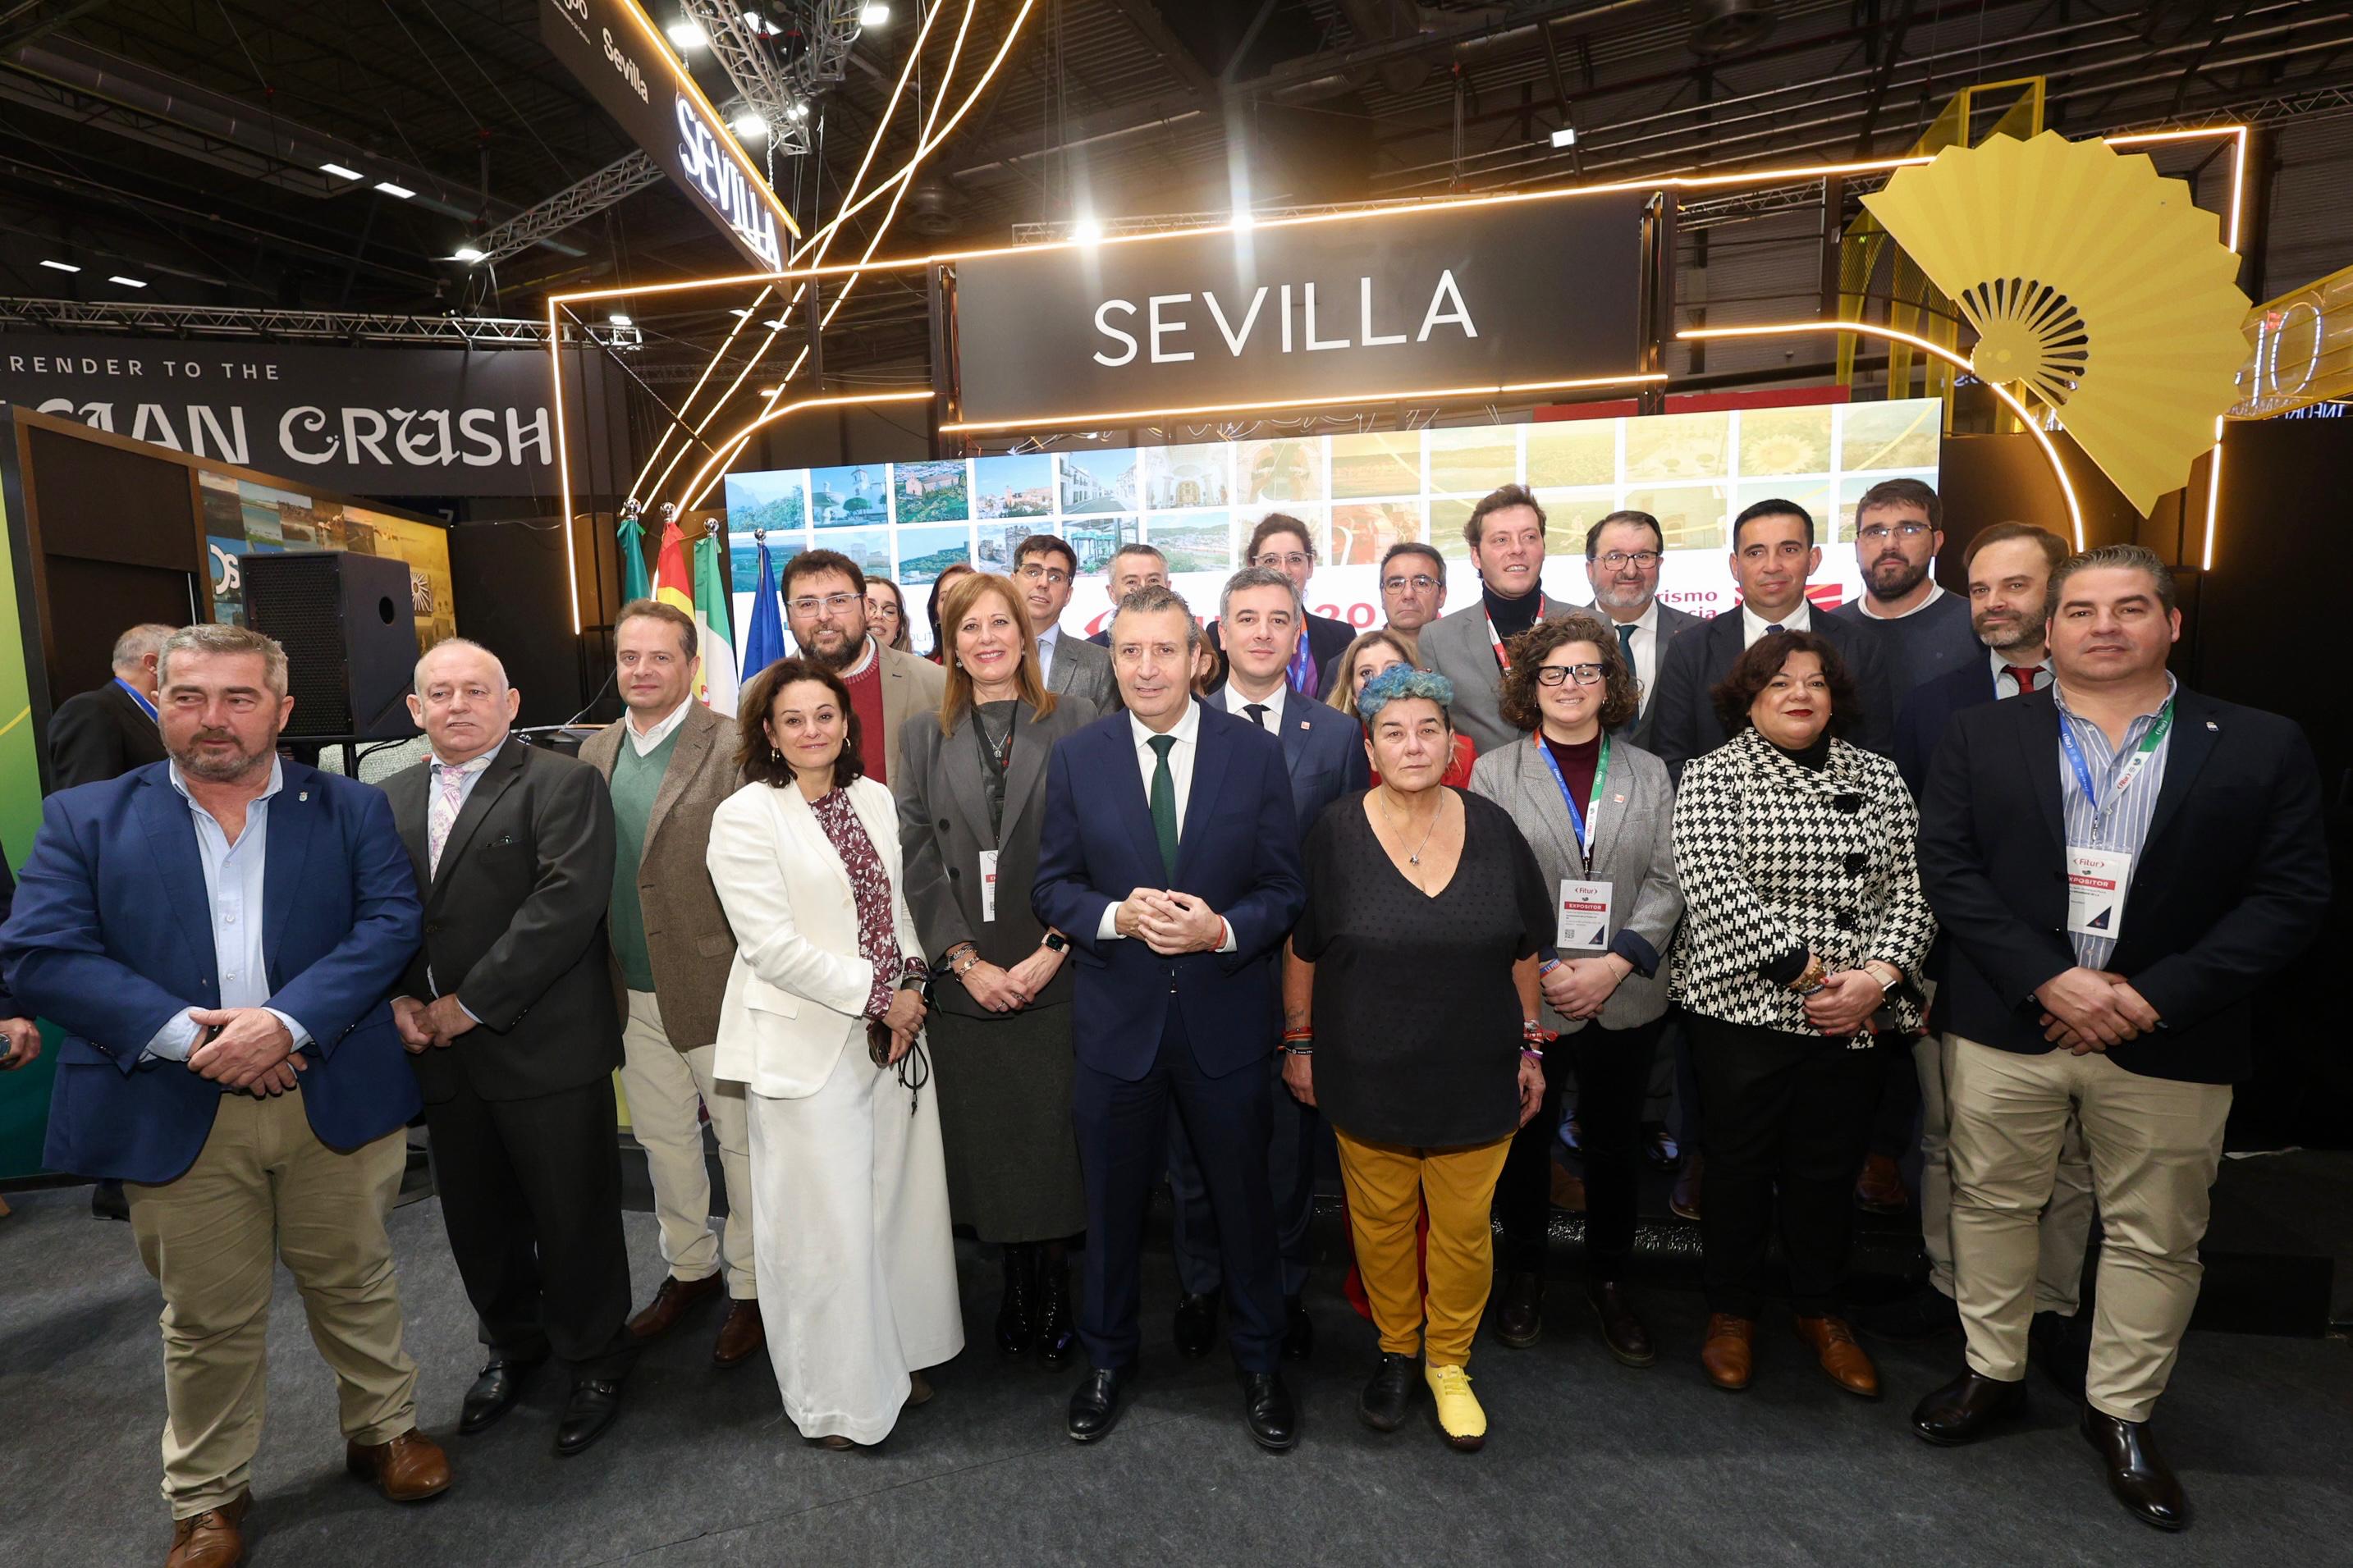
1358,494
243,517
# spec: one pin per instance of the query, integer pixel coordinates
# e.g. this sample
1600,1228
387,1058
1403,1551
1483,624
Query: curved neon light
715,466
1102,416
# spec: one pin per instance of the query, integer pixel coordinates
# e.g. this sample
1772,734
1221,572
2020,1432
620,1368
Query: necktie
1163,802
1626,643
442,815
1256,712
2023,674
1775,627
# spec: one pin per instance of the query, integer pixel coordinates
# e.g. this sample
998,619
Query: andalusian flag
718,683
632,535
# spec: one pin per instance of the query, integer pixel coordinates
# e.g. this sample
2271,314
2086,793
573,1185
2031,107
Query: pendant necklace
1415,858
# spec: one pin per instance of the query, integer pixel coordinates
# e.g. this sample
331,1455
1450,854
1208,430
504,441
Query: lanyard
1302,671
1495,639
1582,822
2122,780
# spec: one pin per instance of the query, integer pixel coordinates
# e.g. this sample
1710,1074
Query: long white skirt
856,1265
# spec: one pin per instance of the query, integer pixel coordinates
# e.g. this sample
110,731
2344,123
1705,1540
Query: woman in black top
1410,1004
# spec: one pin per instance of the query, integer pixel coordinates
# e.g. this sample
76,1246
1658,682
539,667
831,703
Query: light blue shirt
1048,641
233,886
2115,822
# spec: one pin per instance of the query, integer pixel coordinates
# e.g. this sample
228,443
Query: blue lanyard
2119,782
1579,821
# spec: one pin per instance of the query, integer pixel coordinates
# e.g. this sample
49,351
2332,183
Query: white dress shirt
1935,591
1048,641
2004,685
1752,625
1188,731
645,742
1235,703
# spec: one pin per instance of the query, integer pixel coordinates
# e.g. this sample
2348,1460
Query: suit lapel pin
1302,724
306,794
2213,726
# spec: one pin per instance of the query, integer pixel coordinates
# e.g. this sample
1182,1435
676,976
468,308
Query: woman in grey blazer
1598,812
972,793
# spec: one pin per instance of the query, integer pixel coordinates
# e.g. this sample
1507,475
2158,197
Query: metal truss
778,69
329,326
2311,103
567,206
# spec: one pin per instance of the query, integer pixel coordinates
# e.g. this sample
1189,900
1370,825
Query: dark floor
1587,1462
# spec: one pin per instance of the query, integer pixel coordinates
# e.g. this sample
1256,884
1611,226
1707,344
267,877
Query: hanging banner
627,66
1476,296
370,421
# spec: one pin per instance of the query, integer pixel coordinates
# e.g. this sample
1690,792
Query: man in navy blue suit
215,935
1324,750
1176,884
2008,568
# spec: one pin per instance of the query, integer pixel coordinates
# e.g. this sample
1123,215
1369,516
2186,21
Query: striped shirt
2123,826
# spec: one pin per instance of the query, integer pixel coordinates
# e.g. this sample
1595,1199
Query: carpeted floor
1587,1462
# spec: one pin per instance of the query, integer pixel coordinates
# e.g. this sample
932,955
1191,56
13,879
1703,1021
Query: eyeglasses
1421,583
1053,577
1880,532
832,603
1292,561
1583,674
1618,560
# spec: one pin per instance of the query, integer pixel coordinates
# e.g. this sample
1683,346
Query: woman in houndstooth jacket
1804,928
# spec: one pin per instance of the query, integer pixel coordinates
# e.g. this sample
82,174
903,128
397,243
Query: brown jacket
686,932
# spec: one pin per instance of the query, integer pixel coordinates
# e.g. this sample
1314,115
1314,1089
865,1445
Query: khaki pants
2066,1226
265,1185
2155,1146
665,1086
1388,1188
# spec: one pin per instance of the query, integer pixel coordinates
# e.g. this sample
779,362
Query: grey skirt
1005,1118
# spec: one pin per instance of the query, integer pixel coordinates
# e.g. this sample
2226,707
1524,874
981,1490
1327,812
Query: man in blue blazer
215,934
1176,884
1324,750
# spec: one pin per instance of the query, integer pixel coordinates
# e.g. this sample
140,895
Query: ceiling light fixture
749,126
61,266
469,254
686,34
873,14
1087,231
1243,221
388,188
1565,137
128,282
619,319
340,172
798,111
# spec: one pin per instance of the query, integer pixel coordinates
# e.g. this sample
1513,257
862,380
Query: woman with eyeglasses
886,614
1367,658
1598,812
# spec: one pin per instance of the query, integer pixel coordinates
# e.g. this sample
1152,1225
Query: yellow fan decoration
2094,283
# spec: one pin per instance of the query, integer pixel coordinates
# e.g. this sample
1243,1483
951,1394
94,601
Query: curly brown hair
1620,697
757,761
1754,670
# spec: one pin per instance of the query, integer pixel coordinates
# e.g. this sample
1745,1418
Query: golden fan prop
2094,283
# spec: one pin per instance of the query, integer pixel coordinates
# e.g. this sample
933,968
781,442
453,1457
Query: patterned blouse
869,882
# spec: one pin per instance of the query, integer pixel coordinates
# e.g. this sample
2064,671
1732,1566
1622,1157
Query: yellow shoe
1459,1415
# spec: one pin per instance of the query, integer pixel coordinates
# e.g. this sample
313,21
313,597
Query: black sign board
1476,296
617,54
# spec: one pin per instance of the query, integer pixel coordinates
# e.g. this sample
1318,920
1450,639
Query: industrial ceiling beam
566,207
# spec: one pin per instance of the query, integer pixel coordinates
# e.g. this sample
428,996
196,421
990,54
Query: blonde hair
1343,686
955,606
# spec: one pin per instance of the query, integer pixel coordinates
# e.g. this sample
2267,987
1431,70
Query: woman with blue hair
1411,1007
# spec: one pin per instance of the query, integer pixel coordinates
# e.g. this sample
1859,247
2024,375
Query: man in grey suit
1045,568
1506,534
1622,553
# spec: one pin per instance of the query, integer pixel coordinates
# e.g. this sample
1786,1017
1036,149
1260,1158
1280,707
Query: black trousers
530,1195
1611,1069
1787,1113
1895,1124
1298,1138
1123,1150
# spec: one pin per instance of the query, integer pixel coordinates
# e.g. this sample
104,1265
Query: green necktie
1163,802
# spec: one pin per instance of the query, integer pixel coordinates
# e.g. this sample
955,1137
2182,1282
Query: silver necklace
1415,858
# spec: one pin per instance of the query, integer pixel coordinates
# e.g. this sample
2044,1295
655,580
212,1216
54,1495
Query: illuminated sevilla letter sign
1474,296
622,59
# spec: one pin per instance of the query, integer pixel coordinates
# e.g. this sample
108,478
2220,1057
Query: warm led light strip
1961,361
715,467
1099,418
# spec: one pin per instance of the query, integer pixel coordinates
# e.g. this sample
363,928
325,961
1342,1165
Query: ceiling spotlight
749,126
686,34
340,172
761,25
873,14
1565,137
1087,231
1243,220
618,319
60,267
469,254
128,282
388,188
798,111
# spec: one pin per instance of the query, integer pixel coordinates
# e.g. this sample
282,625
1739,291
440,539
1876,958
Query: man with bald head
513,1027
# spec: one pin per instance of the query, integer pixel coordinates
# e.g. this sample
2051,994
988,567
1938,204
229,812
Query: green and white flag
711,598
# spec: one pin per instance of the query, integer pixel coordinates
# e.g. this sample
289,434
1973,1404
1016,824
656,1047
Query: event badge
1584,915
988,886
2096,883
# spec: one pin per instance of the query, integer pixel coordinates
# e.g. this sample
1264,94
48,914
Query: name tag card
988,886
2096,882
1584,916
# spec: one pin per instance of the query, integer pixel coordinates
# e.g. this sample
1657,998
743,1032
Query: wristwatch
1057,941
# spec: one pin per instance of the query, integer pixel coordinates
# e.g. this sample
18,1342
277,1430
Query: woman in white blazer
822,1023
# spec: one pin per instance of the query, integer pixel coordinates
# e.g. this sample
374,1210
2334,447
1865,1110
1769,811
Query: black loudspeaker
348,623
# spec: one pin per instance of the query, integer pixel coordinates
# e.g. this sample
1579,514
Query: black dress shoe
1017,1310
1926,1314
1622,1330
2062,1347
595,1401
1056,1337
107,1201
1659,1150
1196,1325
2139,1479
1965,1409
1266,1406
494,1394
1389,1394
1519,1314
1298,1330
1094,1408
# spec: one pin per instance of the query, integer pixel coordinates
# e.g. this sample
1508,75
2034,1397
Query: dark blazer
110,938
1322,749
1082,669
1685,724
1327,639
943,826
515,925
1920,720
101,734
1239,852
1673,623
2230,889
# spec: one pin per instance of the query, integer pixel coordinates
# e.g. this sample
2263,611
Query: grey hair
141,643
1132,549
1151,599
416,679
2131,557
1260,577
221,637
1400,681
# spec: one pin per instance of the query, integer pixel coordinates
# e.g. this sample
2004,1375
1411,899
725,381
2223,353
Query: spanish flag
681,585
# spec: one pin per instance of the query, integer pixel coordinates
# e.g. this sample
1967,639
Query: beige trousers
666,1087
2066,1226
264,1187
2155,1145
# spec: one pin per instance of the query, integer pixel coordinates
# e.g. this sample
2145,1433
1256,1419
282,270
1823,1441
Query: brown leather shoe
741,1333
1833,1345
1519,1314
1880,1189
1729,1352
210,1539
1685,1199
1622,1330
409,1469
1567,1190
670,1303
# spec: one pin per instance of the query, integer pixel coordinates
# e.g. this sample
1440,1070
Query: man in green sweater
670,761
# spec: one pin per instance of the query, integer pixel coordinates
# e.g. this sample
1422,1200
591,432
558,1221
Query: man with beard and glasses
1622,553
214,933
825,609
1924,631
